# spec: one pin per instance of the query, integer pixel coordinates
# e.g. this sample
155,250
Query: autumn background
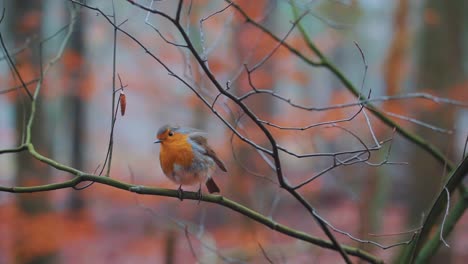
410,48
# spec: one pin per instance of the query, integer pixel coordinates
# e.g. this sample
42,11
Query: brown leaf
123,102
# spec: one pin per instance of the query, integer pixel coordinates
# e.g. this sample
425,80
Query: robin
186,158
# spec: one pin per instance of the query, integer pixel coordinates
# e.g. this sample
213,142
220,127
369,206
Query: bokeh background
409,47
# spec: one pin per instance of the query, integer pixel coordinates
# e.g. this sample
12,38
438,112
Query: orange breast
178,152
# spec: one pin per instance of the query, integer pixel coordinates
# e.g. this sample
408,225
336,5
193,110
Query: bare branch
13,66
407,242
418,122
465,147
411,231
157,30
264,253
279,44
441,233
179,9
202,34
15,88
370,128
14,150
83,177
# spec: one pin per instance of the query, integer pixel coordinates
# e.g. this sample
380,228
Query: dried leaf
123,102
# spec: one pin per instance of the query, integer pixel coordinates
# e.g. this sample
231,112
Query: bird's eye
171,133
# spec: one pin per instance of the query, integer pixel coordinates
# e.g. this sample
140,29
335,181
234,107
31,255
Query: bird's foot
181,193
199,194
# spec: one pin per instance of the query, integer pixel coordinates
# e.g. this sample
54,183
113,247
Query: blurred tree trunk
396,59
440,67
76,118
24,21
263,106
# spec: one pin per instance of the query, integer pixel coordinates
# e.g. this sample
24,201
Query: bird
186,158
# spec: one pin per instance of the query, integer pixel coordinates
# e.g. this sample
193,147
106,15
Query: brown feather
201,140
211,186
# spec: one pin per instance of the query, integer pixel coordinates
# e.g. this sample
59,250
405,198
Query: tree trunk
76,118
24,22
440,67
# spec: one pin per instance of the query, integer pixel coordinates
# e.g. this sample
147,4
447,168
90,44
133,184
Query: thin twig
407,242
418,122
13,66
465,147
278,45
192,250
411,231
202,35
441,233
179,10
264,253
113,108
370,128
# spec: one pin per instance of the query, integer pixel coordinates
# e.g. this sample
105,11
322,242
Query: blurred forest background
410,47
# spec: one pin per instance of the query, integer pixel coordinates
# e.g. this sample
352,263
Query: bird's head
168,134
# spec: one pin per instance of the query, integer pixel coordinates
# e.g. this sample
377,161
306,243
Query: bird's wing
190,131
201,140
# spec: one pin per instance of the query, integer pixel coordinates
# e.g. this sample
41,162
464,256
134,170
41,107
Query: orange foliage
314,187
27,72
192,101
395,63
330,133
340,97
87,86
145,246
218,65
252,39
396,107
431,16
300,77
419,105
72,60
254,9
30,21
265,46
31,180
460,91
233,236
262,79
245,37
298,42
45,233
103,192
282,53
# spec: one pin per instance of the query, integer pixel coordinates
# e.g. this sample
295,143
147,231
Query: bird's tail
211,185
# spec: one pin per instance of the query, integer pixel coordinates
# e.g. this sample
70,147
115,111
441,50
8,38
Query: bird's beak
157,141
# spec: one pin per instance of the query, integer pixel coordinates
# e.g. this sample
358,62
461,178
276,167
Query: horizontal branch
216,199
14,150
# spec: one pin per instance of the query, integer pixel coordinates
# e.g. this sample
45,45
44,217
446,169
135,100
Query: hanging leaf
123,102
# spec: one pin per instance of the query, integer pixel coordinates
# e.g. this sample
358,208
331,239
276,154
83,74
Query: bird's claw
180,193
199,195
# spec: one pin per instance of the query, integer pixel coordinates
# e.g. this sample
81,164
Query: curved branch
216,199
14,150
455,180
